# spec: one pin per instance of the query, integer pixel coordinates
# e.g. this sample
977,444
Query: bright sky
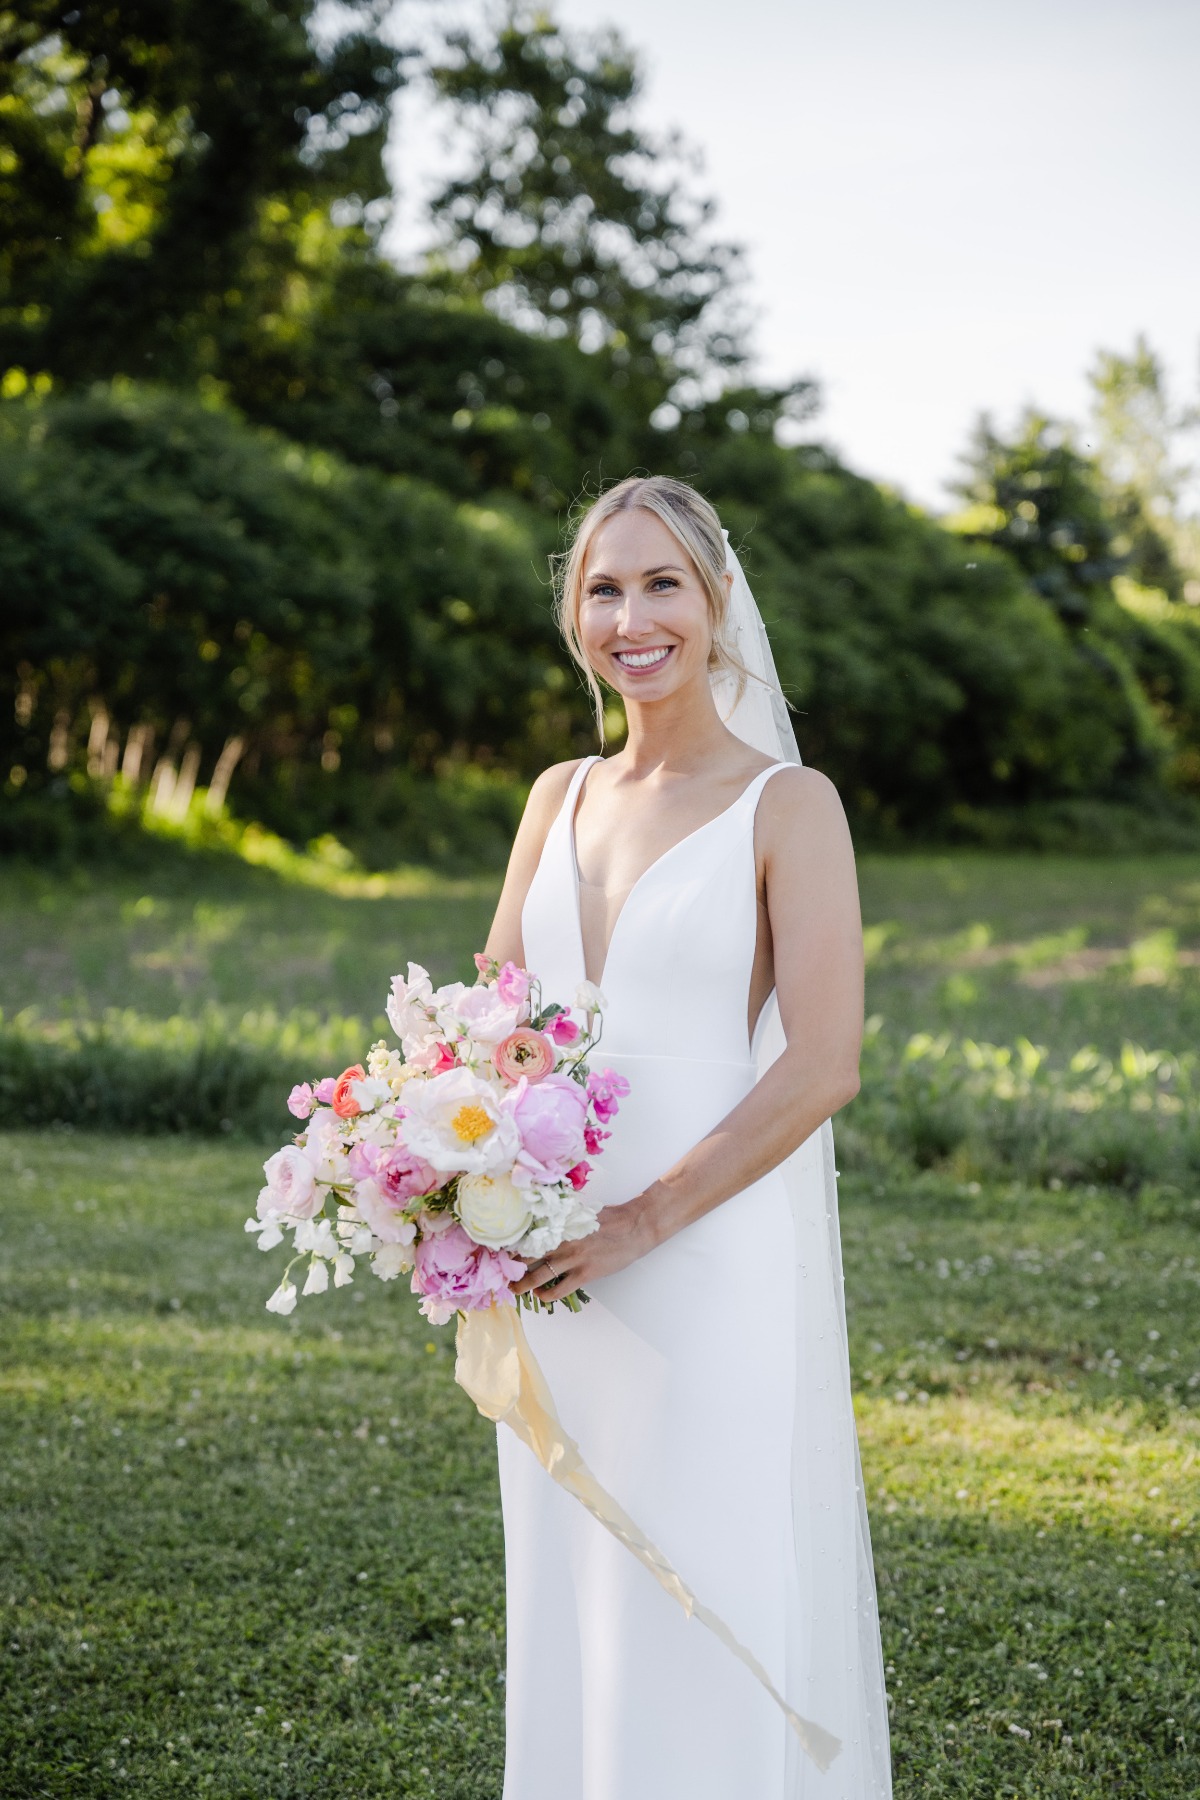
947,205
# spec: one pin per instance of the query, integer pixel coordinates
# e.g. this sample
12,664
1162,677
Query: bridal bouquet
459,1157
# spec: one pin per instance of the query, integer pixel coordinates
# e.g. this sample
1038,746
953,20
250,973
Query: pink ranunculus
512,984
605,1090
344,1104
550,1116
563,1029
323,1091
593,1139
301,1100
578,1175
523,1052
454,1274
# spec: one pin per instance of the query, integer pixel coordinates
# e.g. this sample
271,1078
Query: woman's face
643,613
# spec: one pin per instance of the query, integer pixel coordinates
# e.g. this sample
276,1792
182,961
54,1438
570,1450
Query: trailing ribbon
499,1371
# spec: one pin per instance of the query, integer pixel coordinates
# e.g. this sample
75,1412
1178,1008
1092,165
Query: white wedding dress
707,1387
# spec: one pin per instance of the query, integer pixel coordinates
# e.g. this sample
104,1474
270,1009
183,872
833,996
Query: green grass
234,1512
211,1511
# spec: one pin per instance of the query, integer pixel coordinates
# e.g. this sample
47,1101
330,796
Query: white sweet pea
318,1277
408,1002
391,1260
317,1236
343,1269
269,1232
589,999
370,1093
492,1211
283,1300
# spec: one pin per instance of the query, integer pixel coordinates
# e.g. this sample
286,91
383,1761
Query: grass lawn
258,1557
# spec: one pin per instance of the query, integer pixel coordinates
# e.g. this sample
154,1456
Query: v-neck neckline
572,806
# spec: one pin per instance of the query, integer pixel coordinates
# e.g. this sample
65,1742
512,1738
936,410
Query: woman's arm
541,809
816,931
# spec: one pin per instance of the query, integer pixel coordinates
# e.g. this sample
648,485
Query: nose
634,618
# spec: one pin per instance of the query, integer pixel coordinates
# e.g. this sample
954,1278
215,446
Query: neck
683,731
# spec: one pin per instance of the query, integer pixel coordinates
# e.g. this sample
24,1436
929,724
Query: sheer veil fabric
835,1660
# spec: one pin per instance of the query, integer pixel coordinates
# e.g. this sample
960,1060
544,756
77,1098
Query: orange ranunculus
344,1104
523,1052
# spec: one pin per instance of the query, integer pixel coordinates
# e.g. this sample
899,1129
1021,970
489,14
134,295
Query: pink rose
291,1190
563,1029
523,1052
323,1092
453,1274
486,965
512,984
550,1116
301,1100
605,1089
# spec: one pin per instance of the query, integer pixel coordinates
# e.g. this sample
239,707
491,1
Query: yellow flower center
471,1122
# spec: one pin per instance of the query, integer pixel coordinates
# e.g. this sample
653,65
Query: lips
639,661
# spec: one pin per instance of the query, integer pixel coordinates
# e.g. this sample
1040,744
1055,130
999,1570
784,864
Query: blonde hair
693,522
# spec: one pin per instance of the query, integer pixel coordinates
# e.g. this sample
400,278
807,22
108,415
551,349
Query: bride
705,882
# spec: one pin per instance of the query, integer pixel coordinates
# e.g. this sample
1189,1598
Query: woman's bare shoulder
800,803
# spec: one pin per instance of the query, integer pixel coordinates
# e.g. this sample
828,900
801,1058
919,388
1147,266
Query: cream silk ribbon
496,1367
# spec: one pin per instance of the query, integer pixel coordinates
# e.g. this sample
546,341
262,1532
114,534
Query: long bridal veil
834,1659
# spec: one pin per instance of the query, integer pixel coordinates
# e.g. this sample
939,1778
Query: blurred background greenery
275,516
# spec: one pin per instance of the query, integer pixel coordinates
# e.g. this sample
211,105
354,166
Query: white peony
459,1124
576,1221
291,1190
492,1211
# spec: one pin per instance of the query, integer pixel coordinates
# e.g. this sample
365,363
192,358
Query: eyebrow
662,569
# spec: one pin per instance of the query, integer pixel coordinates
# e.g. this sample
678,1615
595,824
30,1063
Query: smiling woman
710,884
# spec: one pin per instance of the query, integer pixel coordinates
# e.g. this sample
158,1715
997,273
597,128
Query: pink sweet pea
563,1029
512,984
550,1117
605,1090
301,1100
453,1274
593,1139
323,1092
578,1175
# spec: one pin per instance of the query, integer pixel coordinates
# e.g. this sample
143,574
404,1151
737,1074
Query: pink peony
400,1176
523,1052
513,984
605,1089
323,1092
563,1029
384,1217
301,1100
550,1116
455,1275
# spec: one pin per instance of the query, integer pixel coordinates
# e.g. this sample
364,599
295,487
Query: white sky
947,206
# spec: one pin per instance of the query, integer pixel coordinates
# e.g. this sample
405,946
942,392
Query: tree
1139,434
570,223
159,154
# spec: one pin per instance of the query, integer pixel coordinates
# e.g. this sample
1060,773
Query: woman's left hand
622,1237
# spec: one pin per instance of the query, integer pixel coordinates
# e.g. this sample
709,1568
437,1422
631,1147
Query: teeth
641,659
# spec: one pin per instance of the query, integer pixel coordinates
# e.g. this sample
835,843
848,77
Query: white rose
491,1210
291,1190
